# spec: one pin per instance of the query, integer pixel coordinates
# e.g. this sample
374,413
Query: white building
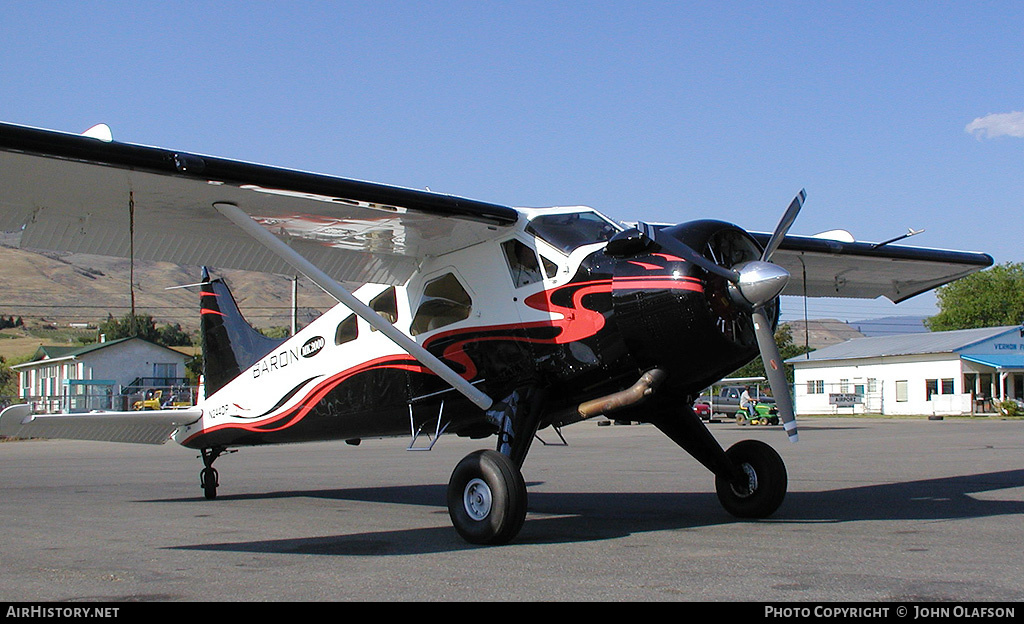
98,376
941,373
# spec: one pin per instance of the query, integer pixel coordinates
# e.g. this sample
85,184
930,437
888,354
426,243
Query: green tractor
767,414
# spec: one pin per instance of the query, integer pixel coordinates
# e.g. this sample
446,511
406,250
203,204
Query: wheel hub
750,486
477,499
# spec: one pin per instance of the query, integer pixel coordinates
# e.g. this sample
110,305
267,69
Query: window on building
872,384
164,374
816,386
165,370
901,391
844,385
938,386
444,302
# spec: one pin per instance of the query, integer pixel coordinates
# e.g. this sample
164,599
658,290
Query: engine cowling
675,315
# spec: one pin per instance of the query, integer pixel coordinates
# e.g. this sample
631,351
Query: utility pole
295,304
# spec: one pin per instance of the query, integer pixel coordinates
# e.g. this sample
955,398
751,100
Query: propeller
756,284
762,327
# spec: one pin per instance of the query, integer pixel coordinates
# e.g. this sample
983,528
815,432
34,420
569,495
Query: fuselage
542,305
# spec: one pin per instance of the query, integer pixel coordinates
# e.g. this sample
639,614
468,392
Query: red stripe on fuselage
297,412
659,282
576,323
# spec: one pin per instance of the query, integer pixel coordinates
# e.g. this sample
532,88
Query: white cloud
998,124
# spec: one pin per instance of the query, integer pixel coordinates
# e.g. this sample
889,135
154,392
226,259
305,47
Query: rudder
230,344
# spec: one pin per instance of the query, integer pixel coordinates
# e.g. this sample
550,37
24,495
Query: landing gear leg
486,493
518,418
208,477
682,425
750,478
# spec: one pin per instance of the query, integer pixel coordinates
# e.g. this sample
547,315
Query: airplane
455,316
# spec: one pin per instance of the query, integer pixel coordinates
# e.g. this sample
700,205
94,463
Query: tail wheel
209,481
762,491
487,498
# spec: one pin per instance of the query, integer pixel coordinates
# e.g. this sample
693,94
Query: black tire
763,493
487,498
209,481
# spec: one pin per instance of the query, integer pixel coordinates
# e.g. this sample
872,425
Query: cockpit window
572,230
522,263
550,268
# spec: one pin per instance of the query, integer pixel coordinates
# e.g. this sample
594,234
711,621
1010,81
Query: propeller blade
773,367
684,251
784,224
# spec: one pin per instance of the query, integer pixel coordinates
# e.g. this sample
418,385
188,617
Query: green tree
143,326
128,326
277,331
787,349
989,298
173,336
8,381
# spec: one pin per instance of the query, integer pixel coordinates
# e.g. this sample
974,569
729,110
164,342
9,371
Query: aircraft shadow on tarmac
574,517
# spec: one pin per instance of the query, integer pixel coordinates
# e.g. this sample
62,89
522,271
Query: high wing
82,194
822,267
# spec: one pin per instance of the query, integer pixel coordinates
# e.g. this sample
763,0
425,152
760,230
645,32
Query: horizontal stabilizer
142,427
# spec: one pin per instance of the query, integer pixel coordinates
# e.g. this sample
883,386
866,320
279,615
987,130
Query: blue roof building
953,372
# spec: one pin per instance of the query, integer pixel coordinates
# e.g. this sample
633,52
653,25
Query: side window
522,263
386,305
444,302
550,268
347,330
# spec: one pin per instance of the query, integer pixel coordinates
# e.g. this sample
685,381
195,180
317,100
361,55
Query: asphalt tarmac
885,511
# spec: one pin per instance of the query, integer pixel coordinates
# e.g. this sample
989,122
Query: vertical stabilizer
230,343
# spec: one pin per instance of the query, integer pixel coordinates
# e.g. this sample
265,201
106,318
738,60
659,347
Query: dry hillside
62,290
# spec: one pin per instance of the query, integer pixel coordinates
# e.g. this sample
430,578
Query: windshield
572,230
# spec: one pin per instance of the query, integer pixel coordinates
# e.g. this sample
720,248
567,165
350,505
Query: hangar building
937,373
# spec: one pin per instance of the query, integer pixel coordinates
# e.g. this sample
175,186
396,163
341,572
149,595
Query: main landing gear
486,492
487,498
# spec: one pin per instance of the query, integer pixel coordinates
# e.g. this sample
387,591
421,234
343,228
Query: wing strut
237,216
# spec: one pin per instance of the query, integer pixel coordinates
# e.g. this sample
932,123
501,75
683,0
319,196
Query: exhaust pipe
644,387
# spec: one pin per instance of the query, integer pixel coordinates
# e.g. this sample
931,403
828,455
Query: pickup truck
727,403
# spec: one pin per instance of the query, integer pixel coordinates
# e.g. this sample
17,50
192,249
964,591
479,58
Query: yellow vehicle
151,402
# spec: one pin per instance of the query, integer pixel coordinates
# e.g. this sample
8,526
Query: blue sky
893,115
